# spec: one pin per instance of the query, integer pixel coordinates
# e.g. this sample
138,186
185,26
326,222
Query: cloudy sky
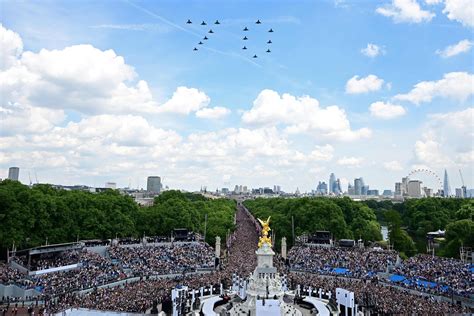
113,91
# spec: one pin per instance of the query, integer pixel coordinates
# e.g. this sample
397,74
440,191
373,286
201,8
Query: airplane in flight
217,22
211,31
245,47
189,22
195,49
200,43
246,29
258,22
254,56
269,42
270,30
269,51
203,23
205,38
245,38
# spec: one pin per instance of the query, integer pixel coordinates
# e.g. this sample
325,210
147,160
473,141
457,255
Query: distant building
365,190
14,173
373,192
459,193
404,186
225,190
111,185
153,184
414,188
332,183
446,188
428,191
338,188
358,184
322,188
350,189
387,193
398,189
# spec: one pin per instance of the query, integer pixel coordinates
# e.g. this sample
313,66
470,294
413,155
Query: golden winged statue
264,239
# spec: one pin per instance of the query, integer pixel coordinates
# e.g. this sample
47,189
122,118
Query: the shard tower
446,188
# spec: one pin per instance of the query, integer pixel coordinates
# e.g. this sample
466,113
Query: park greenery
408,222
30,216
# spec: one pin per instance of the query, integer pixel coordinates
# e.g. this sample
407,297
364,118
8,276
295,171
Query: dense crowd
241,257
385,300
164,258
149,261
360,262
446,273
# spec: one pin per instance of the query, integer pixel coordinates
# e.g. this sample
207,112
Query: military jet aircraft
270,30
211,31
269,42
200,43
189,22
217,22
258,22
205,38
245,38
203,23
245,47
269,51
195,49
246,29
254,56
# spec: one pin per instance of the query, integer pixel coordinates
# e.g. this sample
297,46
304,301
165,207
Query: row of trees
344,218
408,222
30,216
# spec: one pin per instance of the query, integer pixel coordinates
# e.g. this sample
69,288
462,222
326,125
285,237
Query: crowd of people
148,261
359,262
163,258
447,274
381,298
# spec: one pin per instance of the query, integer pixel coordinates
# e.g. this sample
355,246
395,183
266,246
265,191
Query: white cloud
443,144
386,111
372,50
357,85
12,47
432,2
350,161
393,165
302,115
455,85
82,78
16,118
461,11
405,11
452,50
322,153
213,113
184,101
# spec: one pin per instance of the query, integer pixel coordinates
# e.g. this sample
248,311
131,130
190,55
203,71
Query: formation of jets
245,38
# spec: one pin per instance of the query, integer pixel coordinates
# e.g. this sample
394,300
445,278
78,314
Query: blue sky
316,50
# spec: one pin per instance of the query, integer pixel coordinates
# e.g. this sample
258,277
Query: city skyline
96,93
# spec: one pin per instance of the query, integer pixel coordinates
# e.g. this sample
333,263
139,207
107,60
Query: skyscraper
358,185
13,173
322,188
153,184
446,188
332,181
